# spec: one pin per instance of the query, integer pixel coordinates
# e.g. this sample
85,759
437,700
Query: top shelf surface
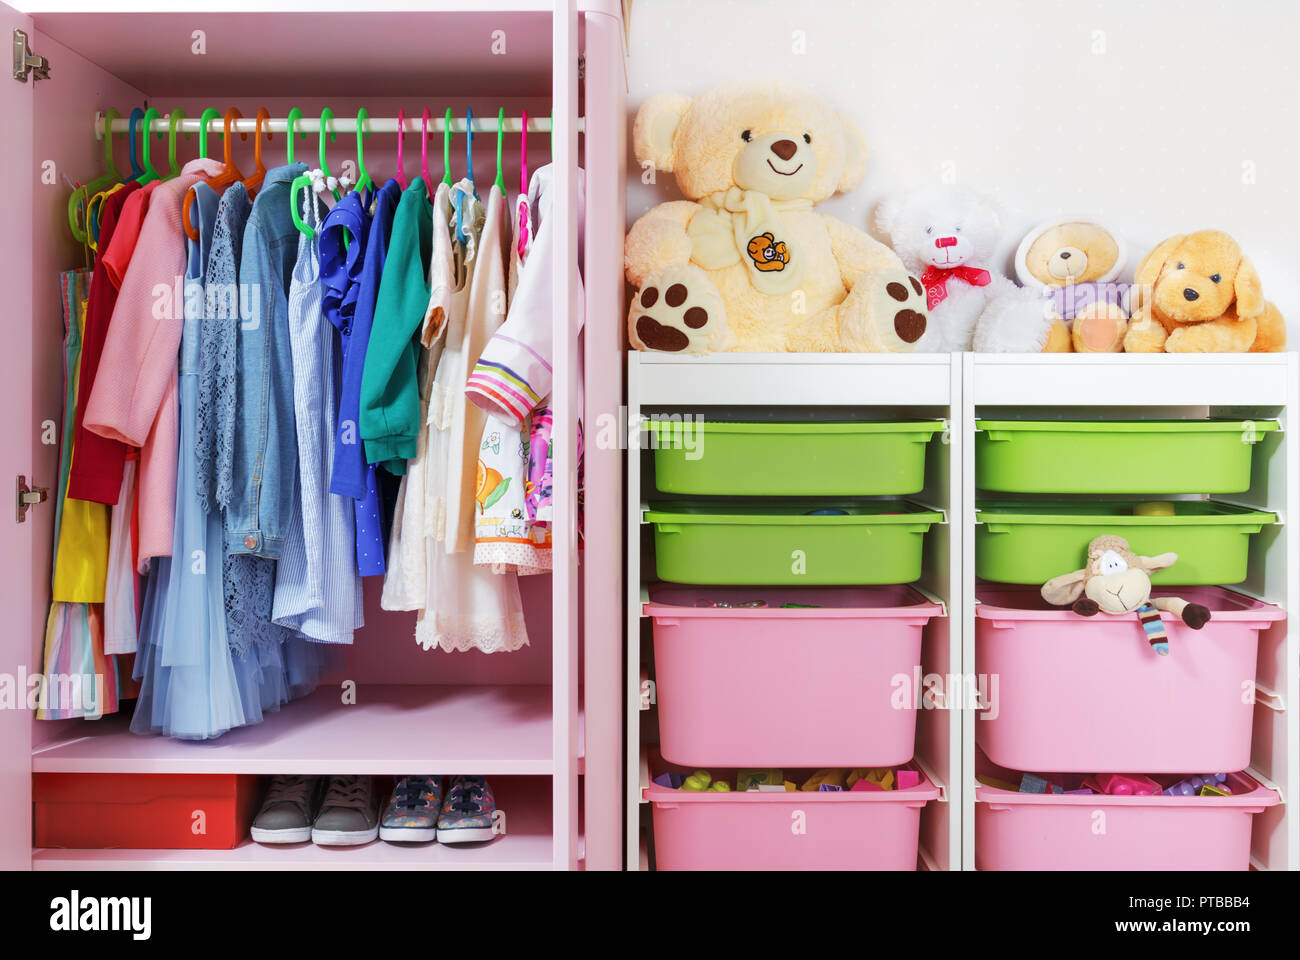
1113,380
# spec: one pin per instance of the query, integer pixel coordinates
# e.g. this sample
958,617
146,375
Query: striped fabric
500,383
1149,616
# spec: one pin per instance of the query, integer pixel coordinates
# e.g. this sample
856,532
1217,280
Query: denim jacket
266,446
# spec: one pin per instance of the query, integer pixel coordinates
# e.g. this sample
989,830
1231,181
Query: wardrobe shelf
1131,380
391,729
816,379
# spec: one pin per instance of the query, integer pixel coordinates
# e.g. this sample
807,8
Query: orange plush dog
1197,293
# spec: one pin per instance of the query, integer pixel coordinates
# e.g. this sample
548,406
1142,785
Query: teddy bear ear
654,134
855,155
887,212
1248,289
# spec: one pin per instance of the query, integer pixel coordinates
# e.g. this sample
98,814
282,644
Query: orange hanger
227,176
254,181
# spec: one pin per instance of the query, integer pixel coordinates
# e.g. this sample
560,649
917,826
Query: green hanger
326,116
446,148
175,117
363,176
501,177
300,181
294,116
150,173
208,116
81,195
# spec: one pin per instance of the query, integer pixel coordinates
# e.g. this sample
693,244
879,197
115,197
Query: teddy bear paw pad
675,312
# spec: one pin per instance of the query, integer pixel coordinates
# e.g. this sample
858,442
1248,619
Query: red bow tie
935,280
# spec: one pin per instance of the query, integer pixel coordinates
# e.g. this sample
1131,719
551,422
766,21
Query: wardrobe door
18,180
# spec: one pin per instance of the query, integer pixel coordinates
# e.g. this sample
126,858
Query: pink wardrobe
544,723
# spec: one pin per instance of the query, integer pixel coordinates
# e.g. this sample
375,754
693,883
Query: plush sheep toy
1117,581
745,261
946,235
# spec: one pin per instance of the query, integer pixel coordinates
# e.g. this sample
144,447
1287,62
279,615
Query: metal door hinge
28,497
26,62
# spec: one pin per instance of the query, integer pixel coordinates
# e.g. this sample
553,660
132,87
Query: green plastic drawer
1129,456
817,459
1033,542
765,543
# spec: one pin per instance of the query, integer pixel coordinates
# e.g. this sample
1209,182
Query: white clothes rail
487,124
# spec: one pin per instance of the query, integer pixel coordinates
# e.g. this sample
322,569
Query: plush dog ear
654,134
1152,564
1149,269
1064,590
1249,291
855,155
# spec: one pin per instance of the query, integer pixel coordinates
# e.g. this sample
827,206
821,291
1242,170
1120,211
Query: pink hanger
523,185
424,147
401,126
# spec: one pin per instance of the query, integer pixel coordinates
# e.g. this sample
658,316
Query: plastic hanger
363,175
446,148
522,206
227,176
326,116
254,181
175,117
501,177
132,153
469,175
424,147
401,128
80,198
150,173
300,181
208,116
294,116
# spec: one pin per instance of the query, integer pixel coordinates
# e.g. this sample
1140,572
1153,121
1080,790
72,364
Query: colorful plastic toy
1190,786
753,779
1125,785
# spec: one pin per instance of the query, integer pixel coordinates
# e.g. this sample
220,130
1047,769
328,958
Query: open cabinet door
18,180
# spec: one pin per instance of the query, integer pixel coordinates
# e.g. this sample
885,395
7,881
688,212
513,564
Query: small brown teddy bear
1117,581
1197,293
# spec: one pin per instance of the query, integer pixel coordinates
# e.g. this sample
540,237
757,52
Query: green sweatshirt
390,395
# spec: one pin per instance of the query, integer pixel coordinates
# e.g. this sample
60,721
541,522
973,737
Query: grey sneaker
411,815
347,814
287,811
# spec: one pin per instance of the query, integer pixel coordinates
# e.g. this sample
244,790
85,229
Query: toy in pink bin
1117,581
1124,785
1193,785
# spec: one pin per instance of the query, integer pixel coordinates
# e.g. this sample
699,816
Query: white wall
1159,117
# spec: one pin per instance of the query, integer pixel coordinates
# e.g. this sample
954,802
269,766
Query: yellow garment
81,564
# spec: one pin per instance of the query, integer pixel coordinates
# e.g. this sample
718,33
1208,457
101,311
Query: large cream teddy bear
746,262
946,234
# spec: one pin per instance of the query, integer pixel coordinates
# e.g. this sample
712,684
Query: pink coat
134,397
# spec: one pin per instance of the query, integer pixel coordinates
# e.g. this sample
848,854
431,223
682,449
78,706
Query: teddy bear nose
1190,294
1065,254
784,149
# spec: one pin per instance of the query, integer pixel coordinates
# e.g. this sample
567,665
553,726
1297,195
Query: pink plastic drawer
788,831
1082,694
1036,831
829,683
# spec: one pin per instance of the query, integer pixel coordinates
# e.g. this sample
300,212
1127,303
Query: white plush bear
945,235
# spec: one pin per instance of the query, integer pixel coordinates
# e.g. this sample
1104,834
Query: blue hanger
469,175
136,116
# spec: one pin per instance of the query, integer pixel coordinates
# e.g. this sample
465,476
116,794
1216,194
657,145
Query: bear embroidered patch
767,253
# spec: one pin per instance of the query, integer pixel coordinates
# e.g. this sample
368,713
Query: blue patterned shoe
467,814
411,815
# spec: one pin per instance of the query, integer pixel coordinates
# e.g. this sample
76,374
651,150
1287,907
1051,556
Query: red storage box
143,811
